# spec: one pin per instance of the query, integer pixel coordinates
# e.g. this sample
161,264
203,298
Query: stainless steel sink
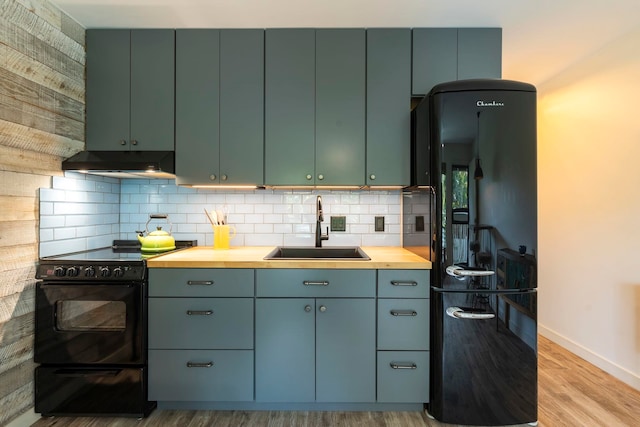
351,253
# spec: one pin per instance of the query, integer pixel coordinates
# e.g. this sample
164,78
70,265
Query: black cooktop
123,261
121,250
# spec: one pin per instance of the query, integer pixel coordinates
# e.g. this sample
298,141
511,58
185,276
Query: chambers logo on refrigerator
489,103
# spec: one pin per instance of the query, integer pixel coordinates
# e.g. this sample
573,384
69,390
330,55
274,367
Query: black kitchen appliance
91,332
482,139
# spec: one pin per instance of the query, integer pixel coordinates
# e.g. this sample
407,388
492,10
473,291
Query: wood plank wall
42,88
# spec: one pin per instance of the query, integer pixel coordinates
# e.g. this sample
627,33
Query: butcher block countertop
382,257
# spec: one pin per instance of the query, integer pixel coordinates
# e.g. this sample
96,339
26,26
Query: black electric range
91,332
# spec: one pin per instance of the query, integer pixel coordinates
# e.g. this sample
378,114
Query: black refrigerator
482,143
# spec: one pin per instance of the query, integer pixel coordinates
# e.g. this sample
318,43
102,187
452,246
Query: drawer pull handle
395,365
200,282
316,283
199,312
404,313
404,283
199,364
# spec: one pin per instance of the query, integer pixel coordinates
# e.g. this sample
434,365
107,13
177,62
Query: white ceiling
540,37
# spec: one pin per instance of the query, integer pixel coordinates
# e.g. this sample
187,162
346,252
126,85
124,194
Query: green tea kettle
159,240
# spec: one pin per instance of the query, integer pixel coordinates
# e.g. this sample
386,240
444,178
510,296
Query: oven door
84,323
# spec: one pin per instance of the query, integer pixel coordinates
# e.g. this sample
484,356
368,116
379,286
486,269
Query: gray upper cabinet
447,54
289,106
197,106
315,107
388,107
340,106
241,106
479,53
219,107
130,90
435,58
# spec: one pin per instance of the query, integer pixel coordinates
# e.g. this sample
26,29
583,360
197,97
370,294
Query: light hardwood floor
572,393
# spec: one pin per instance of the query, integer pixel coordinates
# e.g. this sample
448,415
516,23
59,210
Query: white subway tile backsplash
92,211
79,212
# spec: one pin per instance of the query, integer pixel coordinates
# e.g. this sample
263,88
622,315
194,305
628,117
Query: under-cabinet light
224,187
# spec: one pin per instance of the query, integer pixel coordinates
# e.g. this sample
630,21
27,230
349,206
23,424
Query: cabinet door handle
199,364
134,142
199,312
404,283
403,313
316,283
199,282
123,142
398,365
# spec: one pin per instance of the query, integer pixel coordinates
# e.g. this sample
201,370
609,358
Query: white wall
589,208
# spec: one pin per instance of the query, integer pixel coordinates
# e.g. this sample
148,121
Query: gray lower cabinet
311,347
403,376
201,323
219,106
447,54
130,89
285,350
201,334
288,336
403,336
201,375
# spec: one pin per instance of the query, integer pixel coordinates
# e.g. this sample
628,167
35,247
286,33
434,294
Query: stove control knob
73,271
59,271
118,272
105,272
90,271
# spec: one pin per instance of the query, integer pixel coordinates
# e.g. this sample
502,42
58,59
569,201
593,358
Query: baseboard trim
606,365
25,420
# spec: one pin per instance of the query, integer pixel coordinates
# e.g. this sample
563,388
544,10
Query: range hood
123,164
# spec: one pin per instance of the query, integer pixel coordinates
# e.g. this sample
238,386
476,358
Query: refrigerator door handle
458,313
461,273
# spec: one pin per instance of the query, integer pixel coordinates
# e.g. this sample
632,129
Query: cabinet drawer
315,283
201,375
200,282
403,283
403,376
201,323
403,324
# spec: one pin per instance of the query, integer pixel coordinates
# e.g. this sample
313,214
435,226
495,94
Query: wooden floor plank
572,393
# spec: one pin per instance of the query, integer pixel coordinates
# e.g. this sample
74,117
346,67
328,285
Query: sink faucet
319,218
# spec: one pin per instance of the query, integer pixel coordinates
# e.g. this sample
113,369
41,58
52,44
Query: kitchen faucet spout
319,218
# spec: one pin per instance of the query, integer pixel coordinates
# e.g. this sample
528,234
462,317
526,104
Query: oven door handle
88,373
67,284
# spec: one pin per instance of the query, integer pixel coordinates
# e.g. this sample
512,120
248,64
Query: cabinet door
345,353
201,323
241,106
434,58
201,375
388,106
479,53
107,98
197,106
289,106
152,90
340,106
285,350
